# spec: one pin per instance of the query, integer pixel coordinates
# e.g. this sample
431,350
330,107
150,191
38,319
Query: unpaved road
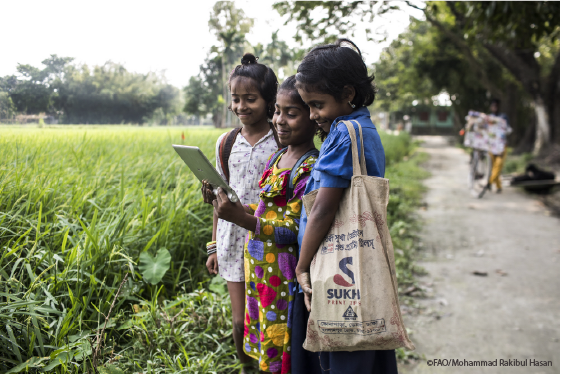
493,317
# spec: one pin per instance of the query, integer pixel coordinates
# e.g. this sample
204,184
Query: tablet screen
203,169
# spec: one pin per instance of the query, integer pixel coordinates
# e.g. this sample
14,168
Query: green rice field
82,207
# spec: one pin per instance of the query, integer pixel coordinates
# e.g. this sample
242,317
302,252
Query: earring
352,105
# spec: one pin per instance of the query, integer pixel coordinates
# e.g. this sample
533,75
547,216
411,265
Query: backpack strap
290,187
227,143
225,148
276,156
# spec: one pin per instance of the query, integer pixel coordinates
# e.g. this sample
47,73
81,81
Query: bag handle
358,166
290,187
362,157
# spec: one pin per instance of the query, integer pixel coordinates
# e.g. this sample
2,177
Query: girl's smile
291,120
324,108
247,103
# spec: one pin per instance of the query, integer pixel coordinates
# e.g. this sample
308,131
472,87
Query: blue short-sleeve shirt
333,167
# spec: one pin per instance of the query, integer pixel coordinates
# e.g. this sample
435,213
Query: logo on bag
327,249
349,314
343,265
340,296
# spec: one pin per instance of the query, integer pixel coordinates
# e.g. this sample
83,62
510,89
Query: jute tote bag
354,288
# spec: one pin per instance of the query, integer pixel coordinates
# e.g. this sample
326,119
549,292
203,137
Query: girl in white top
253,89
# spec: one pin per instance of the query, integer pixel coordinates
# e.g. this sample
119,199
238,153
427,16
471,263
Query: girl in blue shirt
333,81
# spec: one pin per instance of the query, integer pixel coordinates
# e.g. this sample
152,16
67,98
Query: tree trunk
224,96
527,139
552,96
542,129
217,119
509,106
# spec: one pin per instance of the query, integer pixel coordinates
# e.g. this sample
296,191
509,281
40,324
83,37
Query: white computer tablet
203,169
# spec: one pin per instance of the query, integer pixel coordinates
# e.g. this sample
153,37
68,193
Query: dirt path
491,317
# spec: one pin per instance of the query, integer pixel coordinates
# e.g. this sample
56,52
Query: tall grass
77,208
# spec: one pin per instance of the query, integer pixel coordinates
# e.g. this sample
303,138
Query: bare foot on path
493,268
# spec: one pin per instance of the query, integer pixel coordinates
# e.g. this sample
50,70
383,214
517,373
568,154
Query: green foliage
422,62
190,334
471,50
80,208
203,92
516,163
325,21
109,94
519,24
102,95
77,207
406,189
33,92
153,268
208,92
7,107
218,285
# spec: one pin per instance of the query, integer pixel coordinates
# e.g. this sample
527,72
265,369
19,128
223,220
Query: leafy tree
33,92
208,91
203,94
7,107
230,25
105,94
110,94
422,62
509,34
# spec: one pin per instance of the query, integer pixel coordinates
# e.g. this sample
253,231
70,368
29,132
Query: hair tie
246,61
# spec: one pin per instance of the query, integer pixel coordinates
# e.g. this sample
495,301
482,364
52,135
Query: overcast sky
144,36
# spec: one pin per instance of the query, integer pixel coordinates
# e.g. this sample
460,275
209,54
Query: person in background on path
271,248
253,89
497,160
333,81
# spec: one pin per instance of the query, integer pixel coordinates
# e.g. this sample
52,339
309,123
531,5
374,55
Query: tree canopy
107,94
508,50
207,92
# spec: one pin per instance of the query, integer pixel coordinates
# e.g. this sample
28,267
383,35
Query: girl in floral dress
271,246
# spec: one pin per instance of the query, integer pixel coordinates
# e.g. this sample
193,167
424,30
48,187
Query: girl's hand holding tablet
207,191
232,212
226,209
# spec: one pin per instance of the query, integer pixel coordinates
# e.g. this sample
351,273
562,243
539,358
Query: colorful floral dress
270,262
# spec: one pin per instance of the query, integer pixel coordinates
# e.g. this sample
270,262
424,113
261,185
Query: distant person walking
497,160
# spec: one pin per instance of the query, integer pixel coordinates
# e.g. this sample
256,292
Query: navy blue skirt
359,362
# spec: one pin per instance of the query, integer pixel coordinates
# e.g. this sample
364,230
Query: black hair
289,87
263,76
328,68
496,101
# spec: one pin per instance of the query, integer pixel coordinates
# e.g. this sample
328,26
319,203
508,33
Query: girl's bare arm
319,222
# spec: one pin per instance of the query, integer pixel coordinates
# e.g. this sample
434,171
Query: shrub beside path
510,309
